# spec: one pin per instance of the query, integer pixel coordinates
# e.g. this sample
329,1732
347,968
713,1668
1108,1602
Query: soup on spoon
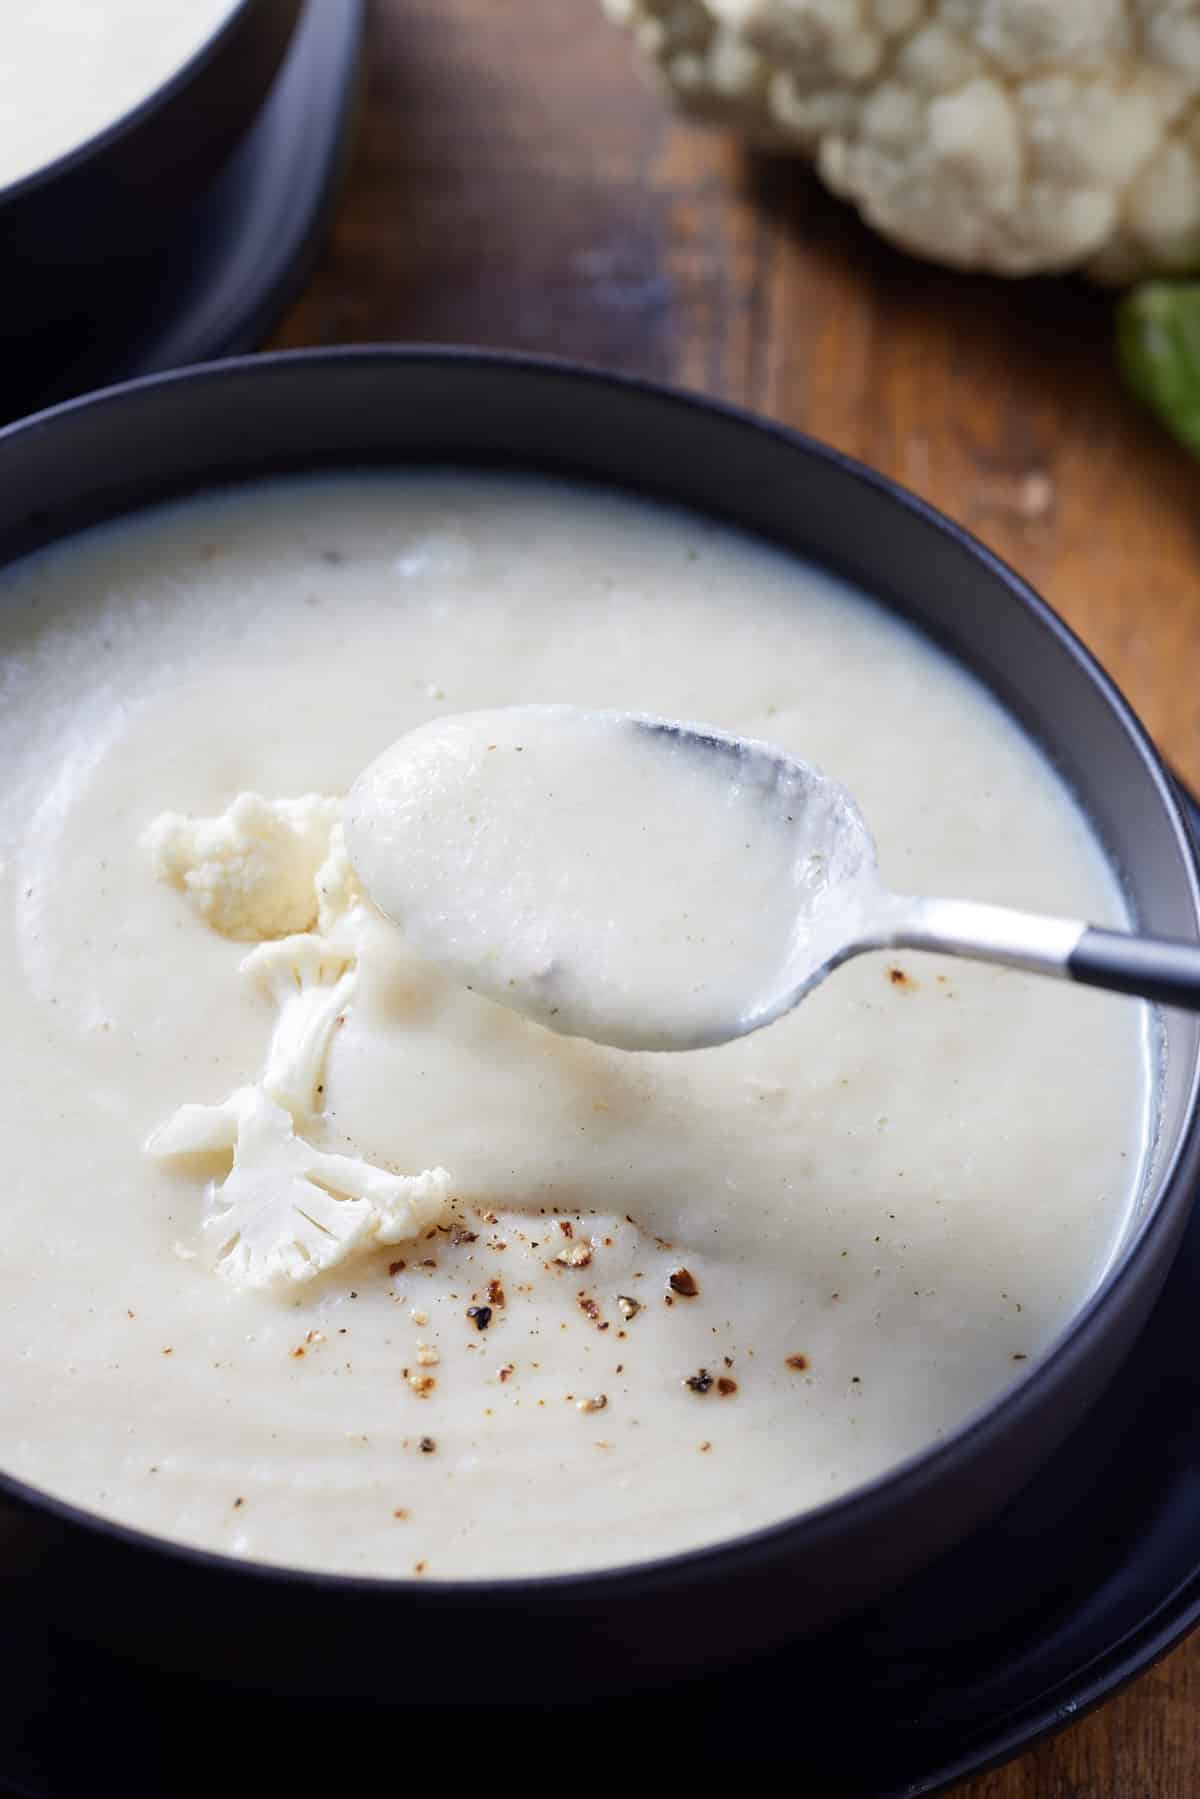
591,870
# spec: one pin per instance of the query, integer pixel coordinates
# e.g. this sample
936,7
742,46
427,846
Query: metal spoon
658,885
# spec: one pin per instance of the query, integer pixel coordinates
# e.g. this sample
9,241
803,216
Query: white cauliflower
251,872
1018,136
312,982
287,1211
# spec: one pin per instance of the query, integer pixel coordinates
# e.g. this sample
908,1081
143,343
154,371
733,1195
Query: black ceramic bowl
87,220
102,456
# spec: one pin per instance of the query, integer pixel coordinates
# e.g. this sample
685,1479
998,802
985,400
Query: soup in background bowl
71,69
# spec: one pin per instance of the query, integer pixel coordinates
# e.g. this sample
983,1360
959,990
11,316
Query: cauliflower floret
251,872
312,980
286,1211
1013,135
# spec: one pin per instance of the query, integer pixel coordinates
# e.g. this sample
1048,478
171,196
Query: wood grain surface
516,185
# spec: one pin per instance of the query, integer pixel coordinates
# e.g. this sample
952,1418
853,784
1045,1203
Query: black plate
240,254
1087,1578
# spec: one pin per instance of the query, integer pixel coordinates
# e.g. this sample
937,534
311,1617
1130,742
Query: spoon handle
1155,968
1158,968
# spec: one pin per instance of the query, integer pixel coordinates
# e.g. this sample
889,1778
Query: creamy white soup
313,1255
71,68
631,879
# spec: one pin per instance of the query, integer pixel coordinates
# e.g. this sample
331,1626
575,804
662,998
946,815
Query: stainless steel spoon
658,885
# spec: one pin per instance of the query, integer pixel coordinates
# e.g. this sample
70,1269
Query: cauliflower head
1017,136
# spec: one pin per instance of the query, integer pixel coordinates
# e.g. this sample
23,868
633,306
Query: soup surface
71,68
314,1256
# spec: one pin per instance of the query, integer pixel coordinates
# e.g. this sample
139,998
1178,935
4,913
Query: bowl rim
158,98
924,1468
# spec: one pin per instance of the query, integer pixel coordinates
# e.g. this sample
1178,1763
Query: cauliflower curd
1018,136
250,873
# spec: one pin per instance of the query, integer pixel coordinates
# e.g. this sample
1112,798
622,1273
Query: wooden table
516,185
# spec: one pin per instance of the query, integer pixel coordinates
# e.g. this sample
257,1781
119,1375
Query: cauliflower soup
316,1257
